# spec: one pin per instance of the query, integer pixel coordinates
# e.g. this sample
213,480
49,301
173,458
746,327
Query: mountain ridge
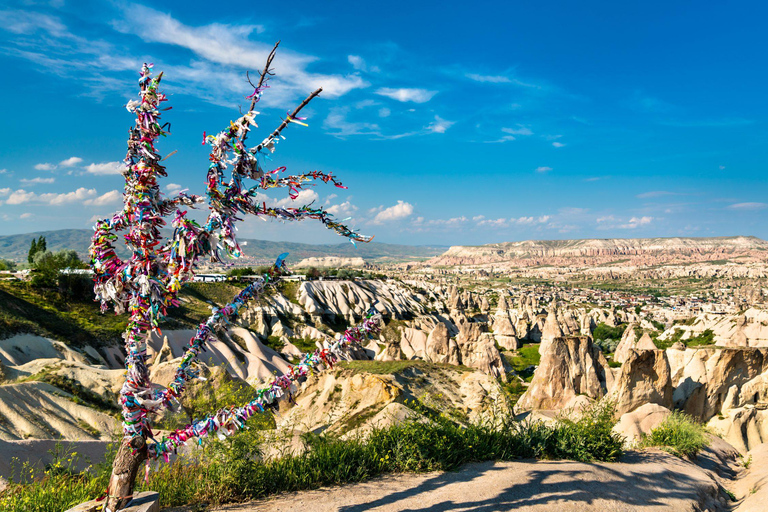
15,247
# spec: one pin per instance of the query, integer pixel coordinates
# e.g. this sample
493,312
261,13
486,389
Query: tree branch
263,78
285,122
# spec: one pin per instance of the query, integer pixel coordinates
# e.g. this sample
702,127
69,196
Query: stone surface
641,482
633,425
644,379
570,366
147,501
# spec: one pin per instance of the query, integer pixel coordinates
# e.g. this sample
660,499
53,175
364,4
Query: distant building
210,278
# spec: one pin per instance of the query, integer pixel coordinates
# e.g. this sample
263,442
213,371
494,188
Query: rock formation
644,379
570,366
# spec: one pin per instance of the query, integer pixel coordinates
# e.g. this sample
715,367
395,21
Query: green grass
230,470
679,434
76,321
523,358
395,367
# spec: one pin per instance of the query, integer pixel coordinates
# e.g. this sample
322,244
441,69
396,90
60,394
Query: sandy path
648,481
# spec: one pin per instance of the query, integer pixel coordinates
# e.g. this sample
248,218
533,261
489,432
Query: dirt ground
643,481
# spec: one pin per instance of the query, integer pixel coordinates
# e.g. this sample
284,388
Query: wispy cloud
748,206
440,125
36,181
500,79
656,193
558,144
407,95
231,46
543,169
520,130
45,167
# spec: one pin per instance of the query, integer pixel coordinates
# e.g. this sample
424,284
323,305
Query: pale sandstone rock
633,425
569,367
627,343
644,378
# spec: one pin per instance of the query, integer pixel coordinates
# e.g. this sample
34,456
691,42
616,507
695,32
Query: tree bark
131,454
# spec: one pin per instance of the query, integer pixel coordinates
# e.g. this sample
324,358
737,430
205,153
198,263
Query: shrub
679,434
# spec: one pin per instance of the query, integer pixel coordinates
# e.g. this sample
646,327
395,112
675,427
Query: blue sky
451,122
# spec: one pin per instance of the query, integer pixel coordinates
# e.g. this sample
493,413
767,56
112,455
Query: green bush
606,332
679,434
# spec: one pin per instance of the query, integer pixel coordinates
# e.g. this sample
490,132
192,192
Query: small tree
148,283
32,251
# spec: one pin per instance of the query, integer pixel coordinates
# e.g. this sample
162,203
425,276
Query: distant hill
15,247
590,251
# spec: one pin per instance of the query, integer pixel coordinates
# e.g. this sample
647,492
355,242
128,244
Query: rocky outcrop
629,341
550,331
569,367
635,424
440,347
644,379
707,381
345,400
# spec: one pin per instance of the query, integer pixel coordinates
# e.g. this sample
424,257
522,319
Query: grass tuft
679,434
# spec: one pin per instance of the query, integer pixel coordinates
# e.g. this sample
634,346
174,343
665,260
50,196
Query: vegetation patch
679,435
523,359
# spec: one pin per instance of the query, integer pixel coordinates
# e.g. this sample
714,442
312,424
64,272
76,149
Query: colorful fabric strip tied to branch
227,421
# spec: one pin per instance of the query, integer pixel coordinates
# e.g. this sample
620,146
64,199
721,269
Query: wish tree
147,285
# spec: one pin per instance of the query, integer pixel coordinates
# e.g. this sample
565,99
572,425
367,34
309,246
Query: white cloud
500,79
345,209
304,196
111,197
440,125
495,223
606,218
76,196
384,112
3,171
655,193
359,64
356,61
405,94
34,181
20,197
520,130
399,211
173,188
558,144
71,161
338,124
636,222
45,167
26,215
543,168
748,206
231,46
492,79
477,218
105,168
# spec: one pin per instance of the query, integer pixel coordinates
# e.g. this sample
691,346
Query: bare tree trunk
131,454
